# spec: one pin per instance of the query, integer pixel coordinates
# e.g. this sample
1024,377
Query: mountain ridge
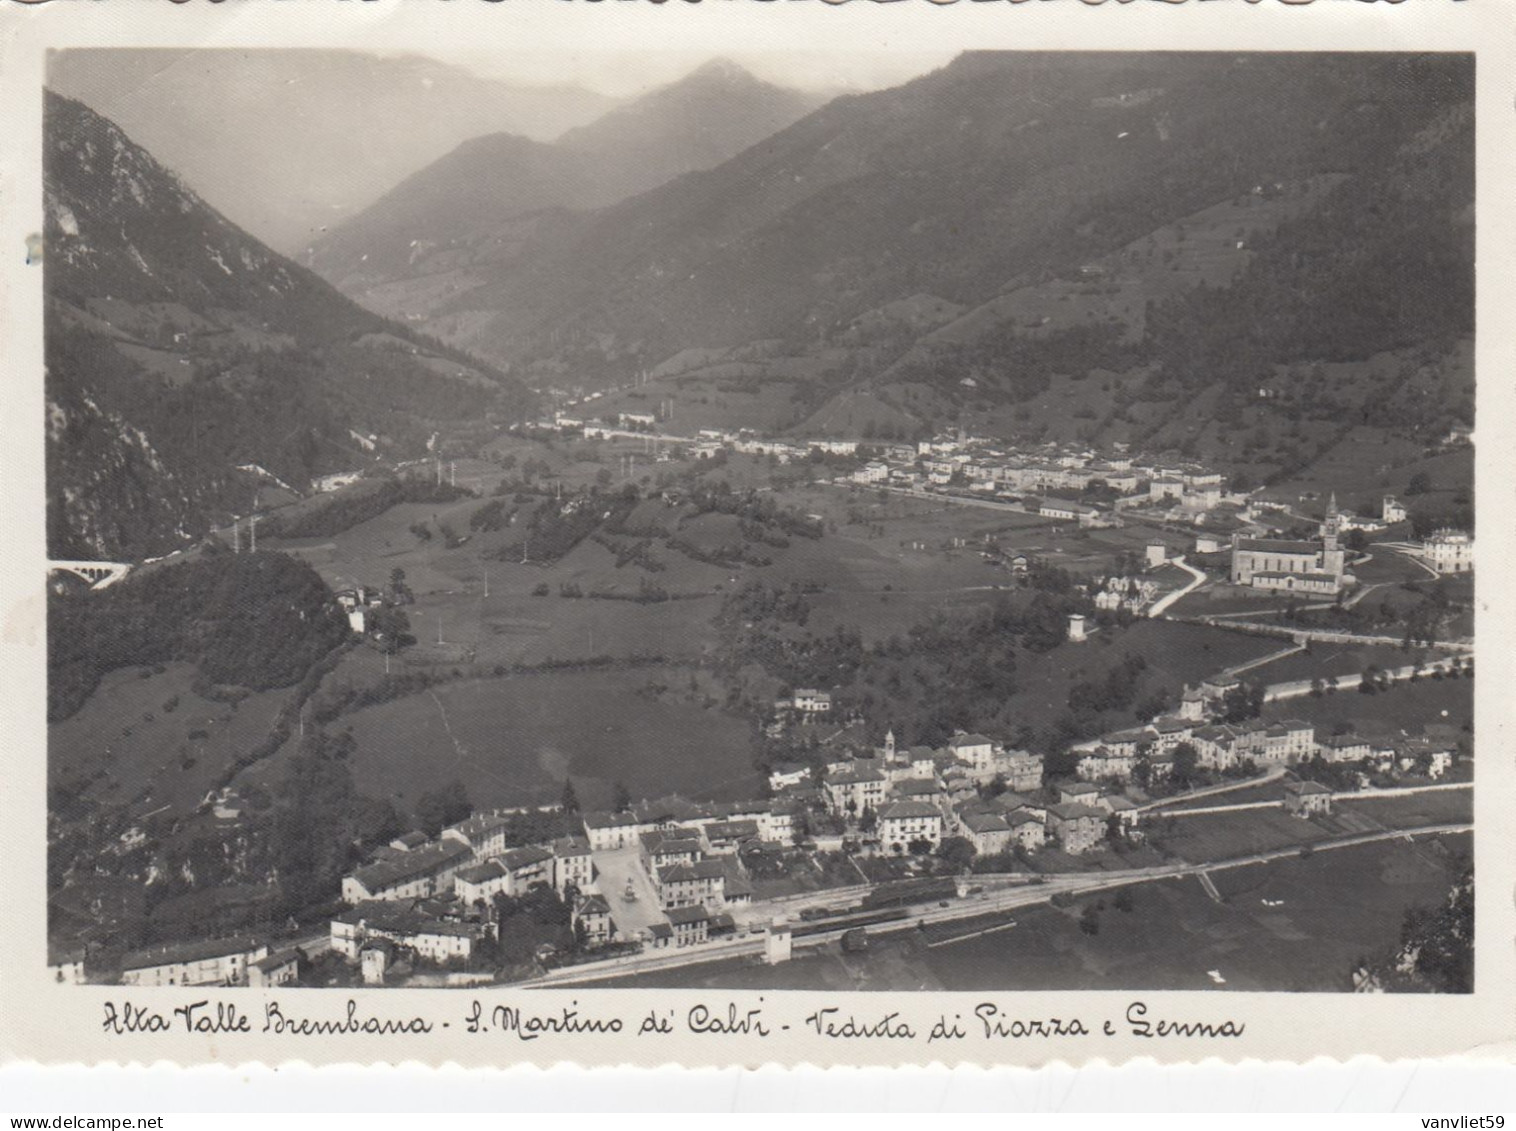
454,213
238,124
179,348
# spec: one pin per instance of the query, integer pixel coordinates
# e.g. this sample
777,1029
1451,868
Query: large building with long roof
1290,565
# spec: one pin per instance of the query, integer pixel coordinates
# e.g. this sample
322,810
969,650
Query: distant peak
723,69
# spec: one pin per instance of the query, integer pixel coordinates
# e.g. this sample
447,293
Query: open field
152,743
1176,654
1387,565
1225,836
513,741
1406,706
1325,659
1369,463
1221,598
1333,908
1409,811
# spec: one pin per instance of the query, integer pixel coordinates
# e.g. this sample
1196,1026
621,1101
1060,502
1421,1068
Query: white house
1449,551
213,962
417,874
811,701
607,831
902,823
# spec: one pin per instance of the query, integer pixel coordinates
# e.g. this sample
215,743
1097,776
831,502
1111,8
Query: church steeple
1331,526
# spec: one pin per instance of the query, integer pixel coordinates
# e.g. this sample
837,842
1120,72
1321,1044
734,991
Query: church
1317,568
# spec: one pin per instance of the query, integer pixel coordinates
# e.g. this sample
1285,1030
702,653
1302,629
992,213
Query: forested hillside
247,621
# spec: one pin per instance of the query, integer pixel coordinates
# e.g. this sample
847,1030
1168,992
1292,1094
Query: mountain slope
468,209
244,127
713,113
1027,189
180,350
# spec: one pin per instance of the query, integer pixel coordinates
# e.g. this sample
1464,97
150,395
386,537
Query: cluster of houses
1114,757
432,897
991,469
909,799
210,962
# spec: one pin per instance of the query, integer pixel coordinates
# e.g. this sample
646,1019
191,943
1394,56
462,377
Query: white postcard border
58,1024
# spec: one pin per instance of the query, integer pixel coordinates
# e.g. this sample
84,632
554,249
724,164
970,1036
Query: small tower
1076,628
1331,525
889,744
1333,556
1192,706
777,944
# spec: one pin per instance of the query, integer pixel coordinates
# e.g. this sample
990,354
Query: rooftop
609,820
479,826
198,951
699,870
526,857
1073,811
480,873
1278,546
412,865
1305,787
985,823
851,777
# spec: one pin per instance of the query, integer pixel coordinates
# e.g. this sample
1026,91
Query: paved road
1161,605
1272,773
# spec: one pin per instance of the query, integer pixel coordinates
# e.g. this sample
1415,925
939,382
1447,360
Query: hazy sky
623,73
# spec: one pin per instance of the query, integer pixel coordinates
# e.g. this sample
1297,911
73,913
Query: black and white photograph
817,520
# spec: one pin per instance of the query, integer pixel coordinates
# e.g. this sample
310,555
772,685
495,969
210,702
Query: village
832,837
1065,482
902,825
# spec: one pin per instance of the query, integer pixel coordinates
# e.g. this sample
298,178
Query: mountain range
1191,221
187,363
287,143
1168,250
473,208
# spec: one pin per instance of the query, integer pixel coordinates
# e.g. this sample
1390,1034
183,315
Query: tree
621,800
1186,764
869,820
957,851
1241,703
1420,484
440,808
1089,920
1123,899
569,802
